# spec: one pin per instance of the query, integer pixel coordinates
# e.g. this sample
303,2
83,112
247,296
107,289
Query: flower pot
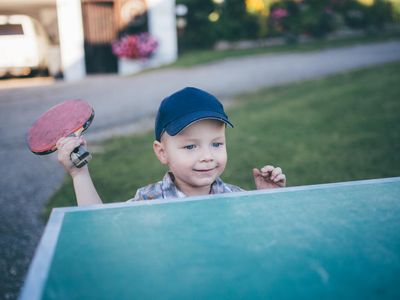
130,66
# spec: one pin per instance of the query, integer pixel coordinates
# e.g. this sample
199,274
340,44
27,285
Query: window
11,29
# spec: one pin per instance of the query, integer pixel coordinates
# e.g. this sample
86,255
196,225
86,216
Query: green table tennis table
329,241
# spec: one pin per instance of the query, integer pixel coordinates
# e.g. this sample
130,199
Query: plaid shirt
166,188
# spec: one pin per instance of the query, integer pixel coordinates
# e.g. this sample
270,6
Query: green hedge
288,18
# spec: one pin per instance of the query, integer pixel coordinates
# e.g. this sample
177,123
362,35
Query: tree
199,32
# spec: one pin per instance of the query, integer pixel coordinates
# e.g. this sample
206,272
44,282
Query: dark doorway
99,32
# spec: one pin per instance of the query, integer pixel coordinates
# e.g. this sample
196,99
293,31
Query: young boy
190,139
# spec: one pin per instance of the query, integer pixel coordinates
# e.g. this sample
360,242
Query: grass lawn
194,58
340,128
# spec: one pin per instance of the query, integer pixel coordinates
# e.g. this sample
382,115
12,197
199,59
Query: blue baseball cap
185,107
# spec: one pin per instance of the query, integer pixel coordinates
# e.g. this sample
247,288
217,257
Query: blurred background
74,38
209,23
89,48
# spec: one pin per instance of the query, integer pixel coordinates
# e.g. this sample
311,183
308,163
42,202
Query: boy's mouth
204,170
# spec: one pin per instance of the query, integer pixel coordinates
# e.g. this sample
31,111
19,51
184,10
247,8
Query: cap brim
178,125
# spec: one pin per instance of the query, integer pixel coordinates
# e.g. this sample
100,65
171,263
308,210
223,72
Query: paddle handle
80,156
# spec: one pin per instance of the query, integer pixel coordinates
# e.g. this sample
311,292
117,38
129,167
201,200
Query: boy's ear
160,152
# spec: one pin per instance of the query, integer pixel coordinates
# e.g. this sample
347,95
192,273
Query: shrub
199,32
233,22
314,18
317,18
290,18
359,16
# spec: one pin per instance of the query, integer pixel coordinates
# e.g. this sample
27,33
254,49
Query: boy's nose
206,155
207,159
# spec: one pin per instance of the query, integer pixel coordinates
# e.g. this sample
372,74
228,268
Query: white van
23,46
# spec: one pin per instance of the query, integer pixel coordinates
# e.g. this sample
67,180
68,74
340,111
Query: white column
162,25
70,28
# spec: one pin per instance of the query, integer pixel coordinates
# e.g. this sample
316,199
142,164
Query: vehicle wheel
43,72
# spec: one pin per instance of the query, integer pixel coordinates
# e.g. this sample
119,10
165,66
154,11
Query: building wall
68,46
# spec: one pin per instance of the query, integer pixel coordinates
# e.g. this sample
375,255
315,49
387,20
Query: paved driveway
27,181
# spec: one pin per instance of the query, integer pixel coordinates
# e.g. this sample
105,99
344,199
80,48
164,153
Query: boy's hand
65,146
269,177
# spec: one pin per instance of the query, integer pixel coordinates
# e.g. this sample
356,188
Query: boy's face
196,156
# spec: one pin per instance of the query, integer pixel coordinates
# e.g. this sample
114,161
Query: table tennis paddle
69,118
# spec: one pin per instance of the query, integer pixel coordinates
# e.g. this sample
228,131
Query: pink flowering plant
282,17
291,18
135,46
279,13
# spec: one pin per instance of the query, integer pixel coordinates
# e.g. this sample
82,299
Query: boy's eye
190,147
216,145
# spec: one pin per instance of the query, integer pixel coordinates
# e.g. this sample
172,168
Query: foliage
314,17
396,10
317,18
199,32
231,22
340,128
135,46
235,23
357,15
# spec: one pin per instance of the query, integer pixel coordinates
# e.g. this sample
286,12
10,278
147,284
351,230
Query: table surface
331,241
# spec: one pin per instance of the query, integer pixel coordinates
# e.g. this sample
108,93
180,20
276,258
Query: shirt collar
170,190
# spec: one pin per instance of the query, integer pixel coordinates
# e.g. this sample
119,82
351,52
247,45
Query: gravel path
121,103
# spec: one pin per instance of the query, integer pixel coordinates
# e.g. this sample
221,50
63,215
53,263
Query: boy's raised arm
85,190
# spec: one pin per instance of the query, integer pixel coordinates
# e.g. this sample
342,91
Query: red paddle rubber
69,118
